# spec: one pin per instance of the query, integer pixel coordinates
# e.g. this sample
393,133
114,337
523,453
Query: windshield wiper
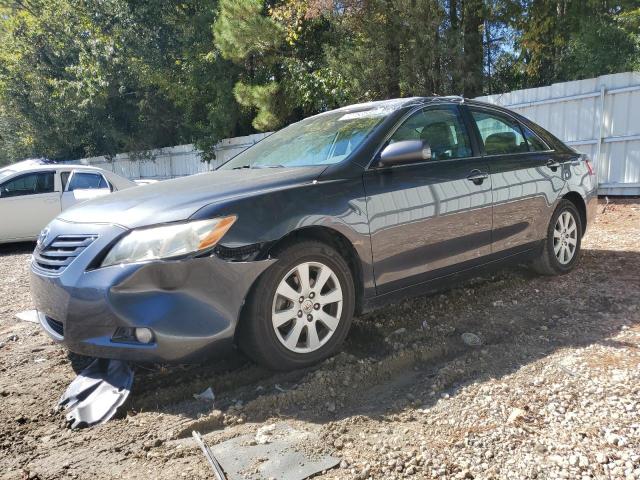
257,167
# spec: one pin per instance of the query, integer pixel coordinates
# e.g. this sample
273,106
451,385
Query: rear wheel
561,250
300,310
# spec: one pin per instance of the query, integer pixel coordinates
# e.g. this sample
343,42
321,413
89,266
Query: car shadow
520,317
17,248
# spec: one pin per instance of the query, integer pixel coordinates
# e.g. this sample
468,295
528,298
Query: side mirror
404,152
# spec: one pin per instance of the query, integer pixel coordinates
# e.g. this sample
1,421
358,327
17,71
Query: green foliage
242,29
264,98
608,47
97,77
561,40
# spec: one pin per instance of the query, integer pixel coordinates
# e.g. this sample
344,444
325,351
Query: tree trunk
473,50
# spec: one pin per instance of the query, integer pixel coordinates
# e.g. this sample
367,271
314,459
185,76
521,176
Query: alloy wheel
565,237
307,307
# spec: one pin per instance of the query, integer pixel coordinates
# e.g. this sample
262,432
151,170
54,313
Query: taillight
589,167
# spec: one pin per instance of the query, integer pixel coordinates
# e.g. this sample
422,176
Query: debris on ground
28,316
206,396
96,393
215,465
283,457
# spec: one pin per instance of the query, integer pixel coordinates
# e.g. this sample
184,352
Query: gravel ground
552,392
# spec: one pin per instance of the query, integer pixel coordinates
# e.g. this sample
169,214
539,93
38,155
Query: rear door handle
477,177
552,164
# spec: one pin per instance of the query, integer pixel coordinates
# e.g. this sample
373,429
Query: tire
551,261
293,343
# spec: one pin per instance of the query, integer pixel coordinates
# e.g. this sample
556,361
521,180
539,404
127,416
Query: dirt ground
552,392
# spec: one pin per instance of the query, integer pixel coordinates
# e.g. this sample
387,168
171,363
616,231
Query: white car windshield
320,140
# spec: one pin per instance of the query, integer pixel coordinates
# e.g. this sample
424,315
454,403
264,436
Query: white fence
598,116
171,162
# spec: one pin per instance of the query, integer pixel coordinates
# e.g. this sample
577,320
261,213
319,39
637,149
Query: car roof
27,167
393,104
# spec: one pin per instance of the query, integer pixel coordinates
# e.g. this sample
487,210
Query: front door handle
552,164
477,177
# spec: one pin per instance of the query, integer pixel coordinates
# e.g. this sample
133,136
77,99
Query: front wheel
300,310
561,250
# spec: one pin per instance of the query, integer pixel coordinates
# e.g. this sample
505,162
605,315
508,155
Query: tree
473,50
95,77
561,40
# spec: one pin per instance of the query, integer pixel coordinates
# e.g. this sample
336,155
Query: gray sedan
330,217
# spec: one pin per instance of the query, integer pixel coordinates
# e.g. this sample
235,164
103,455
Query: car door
28,202
431,218
82,186
525,176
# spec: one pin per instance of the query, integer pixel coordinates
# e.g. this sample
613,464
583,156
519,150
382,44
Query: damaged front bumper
191,306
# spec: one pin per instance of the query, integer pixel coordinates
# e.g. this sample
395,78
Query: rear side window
87,181
535,144
442,128
29,184
500,134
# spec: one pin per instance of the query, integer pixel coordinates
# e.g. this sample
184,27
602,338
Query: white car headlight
168,241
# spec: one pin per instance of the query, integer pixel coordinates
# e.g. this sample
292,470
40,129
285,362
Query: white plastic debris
206,396
28,316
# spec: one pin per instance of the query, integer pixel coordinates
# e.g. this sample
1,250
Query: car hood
178,199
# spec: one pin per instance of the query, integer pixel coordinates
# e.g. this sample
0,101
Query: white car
32,194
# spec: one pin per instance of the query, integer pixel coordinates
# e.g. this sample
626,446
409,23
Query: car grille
61,252
55,325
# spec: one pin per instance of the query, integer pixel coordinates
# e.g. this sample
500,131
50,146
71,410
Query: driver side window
442,128
29,184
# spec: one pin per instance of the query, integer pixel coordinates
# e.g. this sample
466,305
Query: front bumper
192,306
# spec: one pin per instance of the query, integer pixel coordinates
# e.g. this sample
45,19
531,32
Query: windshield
320,140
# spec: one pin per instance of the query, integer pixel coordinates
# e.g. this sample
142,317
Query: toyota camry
330,217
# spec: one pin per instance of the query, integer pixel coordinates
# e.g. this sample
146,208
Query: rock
331,406
471,339
601,458
614,439
264,434
344,464
515,415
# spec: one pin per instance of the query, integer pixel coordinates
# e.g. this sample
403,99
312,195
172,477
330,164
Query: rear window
87,181
500,134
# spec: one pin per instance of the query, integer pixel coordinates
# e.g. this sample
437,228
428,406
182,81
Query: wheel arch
581,206
328,236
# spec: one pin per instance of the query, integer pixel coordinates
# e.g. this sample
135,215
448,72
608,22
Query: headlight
168,241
